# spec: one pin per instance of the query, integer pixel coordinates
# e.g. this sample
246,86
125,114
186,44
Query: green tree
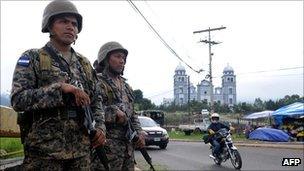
146,104
258,105
270,105
138,95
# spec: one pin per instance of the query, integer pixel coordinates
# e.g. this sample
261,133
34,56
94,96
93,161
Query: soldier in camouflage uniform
118,105
44,88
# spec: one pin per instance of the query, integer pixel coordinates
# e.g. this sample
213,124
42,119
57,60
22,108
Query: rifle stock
88,123
134,138
101,153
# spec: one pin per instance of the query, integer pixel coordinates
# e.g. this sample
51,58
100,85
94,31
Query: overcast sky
260,36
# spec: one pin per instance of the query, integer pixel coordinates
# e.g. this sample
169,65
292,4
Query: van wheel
197,130
187,132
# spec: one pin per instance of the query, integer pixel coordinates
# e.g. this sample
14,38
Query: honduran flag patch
24,61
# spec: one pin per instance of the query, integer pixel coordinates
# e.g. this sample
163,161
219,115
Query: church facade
226,94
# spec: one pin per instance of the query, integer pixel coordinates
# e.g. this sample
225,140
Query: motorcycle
227,150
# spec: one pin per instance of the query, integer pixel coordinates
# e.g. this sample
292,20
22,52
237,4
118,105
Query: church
226,94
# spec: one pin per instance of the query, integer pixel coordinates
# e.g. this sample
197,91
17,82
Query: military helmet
109,47
57,7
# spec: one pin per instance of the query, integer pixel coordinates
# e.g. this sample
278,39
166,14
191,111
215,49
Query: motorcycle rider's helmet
215,117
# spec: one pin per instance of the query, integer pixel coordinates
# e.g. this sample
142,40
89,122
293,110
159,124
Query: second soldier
120,117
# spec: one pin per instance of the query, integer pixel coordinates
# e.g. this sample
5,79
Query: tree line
141,103
196,106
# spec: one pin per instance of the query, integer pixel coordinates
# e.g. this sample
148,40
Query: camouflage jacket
35,89
114,99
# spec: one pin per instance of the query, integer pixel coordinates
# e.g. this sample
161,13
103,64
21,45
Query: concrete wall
8,122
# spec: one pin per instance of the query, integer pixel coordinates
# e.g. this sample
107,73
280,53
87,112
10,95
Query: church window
228,79
205,92
230,100
230,90
231,79
181,90
182,79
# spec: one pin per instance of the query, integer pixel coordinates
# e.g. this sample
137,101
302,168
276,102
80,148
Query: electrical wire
160,37
263,71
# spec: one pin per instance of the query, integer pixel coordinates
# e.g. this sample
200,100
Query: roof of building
228,68
180,68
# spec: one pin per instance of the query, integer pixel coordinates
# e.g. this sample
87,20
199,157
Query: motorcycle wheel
236,159
217,161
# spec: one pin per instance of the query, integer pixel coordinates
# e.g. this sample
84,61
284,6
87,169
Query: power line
162,93
263,71
160,38
158,18
281,75
280,69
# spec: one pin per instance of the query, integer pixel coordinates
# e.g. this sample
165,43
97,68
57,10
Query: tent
257,115
295,110
269,134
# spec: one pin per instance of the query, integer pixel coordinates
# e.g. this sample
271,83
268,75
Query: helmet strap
114,72
51,33
75,39
108,69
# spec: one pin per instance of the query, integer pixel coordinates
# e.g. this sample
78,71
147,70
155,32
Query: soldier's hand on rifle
81,97
121,117
141,139
99,139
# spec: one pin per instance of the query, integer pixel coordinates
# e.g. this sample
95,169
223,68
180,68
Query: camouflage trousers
36,163
120,155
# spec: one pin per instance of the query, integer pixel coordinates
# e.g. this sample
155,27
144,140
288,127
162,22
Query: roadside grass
181,135
10,147
239,137
198,136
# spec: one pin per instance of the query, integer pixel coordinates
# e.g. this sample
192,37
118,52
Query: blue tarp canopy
269,134
295,110
257,115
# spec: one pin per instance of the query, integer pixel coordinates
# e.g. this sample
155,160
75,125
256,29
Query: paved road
194,156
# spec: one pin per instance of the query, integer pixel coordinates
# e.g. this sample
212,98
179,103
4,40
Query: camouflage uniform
120,151
56,137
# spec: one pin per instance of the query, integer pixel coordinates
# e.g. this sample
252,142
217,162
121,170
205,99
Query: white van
205,112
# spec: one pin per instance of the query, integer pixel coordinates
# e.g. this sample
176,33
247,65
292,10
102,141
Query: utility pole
210,59
189,99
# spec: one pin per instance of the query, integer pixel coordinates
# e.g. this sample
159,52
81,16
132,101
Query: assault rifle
88,123
133,137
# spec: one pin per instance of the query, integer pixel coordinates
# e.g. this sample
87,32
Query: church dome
228,68
180,68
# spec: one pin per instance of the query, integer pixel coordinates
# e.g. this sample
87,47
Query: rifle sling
63,66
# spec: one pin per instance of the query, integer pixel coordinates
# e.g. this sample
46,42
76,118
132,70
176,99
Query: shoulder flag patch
24,61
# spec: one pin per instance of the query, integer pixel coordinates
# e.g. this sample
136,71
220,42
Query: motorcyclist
212,129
